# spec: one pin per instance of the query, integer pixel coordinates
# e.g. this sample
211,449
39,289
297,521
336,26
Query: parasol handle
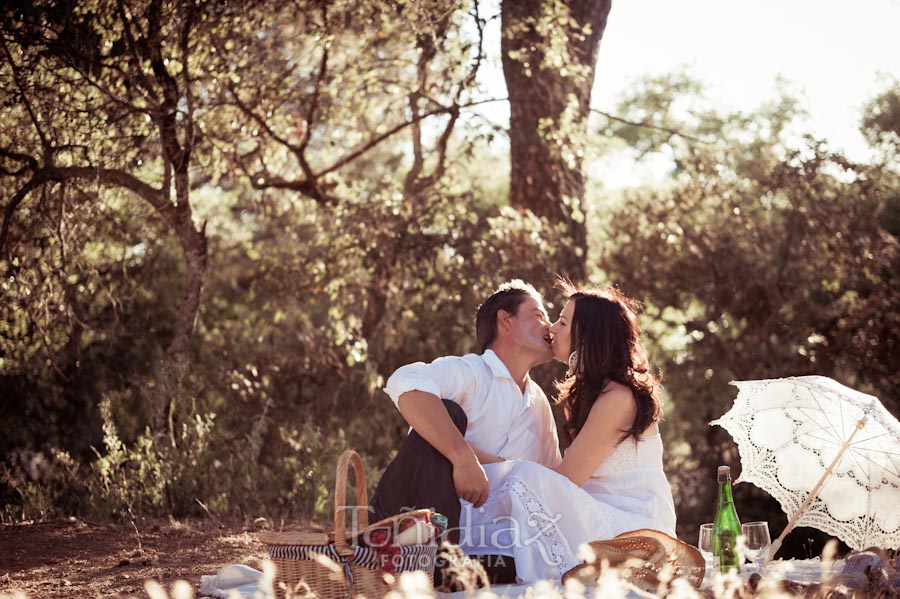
812,494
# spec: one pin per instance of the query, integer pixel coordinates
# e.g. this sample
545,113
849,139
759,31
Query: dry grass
610,585
164,559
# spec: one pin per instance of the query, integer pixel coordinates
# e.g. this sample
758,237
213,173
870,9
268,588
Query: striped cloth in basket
412,557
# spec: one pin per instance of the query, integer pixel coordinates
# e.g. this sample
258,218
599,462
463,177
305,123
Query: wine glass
756,541
705,543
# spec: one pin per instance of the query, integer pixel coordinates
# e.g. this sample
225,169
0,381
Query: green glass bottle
726,526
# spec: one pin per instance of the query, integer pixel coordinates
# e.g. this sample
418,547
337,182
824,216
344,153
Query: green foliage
34,485
762,259
78,319
348,233
881,122
310,307
334,217
881,126
127,481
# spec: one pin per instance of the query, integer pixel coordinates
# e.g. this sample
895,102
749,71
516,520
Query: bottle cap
440,521
724,470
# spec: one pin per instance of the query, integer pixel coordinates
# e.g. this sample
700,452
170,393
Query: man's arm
425,412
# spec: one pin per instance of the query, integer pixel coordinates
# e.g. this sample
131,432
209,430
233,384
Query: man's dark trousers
421,477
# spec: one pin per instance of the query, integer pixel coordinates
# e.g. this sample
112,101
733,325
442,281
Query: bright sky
832,52
834,55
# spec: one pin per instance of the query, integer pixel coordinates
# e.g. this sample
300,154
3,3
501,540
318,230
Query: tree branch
184,40
112,177
13,205
443,142
45,143
377,140
295,149
177,154
646,125
479,58
314,101
441,166
137,63
30,162
413,98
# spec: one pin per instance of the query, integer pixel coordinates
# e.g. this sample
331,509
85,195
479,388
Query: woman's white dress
540,517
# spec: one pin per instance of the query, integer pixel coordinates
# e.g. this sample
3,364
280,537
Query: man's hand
427,415
470,480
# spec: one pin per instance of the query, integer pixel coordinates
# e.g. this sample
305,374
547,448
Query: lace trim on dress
623,458
547,534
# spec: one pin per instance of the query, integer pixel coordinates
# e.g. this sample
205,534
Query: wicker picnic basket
335,565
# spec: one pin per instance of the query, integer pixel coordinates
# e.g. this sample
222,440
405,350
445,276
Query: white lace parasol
829,454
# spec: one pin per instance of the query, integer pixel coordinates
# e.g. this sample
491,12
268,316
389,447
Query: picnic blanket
540,588
248,583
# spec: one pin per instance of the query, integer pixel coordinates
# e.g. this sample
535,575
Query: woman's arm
486,458
611,414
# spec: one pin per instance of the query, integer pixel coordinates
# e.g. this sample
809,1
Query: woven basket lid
315,539
686,559
655,549
643,577
322,538
618,550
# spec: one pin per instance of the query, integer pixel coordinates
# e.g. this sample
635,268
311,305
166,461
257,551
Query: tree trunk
178,355
549,106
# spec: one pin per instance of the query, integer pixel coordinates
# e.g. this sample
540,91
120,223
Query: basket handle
349,458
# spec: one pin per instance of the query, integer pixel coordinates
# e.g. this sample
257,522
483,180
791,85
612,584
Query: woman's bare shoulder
615,399
617,392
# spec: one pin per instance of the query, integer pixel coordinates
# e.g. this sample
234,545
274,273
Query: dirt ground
73,558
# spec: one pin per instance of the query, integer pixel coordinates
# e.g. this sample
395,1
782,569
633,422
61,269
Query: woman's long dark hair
604,334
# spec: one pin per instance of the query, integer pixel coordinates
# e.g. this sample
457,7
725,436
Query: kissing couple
483,448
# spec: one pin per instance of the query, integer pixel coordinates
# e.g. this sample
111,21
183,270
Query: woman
611,478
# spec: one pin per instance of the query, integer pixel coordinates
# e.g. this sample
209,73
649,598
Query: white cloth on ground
503,421
544,588
540,517
237,580
804,571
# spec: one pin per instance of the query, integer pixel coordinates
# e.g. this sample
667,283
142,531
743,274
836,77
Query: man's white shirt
503,421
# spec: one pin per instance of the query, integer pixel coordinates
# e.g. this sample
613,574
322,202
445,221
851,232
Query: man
472,410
